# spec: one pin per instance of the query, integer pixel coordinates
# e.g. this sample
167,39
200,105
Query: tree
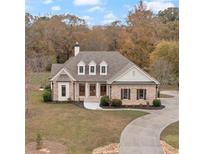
164,62
142,36
169,15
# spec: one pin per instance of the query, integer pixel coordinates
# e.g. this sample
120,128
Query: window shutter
129,94
121,93
145,94
137,94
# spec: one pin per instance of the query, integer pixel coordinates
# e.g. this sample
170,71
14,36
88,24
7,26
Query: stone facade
150,94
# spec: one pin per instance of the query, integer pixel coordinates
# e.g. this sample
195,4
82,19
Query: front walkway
142,135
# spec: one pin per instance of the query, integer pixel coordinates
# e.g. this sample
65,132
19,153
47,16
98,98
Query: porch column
51,82
98,89
86,89
76,91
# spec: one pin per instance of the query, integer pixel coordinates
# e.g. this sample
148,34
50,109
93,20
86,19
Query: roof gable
134,74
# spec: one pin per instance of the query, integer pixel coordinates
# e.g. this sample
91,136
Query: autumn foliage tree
148,39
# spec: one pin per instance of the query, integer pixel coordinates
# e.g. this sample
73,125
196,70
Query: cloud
87,2
55,8
86,17
157,5
95,8
108,18
47,1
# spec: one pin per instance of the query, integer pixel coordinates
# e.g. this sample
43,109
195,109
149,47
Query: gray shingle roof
117,64
63,77
114,60
55,68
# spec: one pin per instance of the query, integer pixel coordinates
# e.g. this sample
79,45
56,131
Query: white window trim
92,63
101,73
92,73
81,63
103,63
79,73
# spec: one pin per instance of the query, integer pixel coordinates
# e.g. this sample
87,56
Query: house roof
63,77
55,68
114,60
116,64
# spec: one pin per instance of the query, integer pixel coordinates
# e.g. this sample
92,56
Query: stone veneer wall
150,94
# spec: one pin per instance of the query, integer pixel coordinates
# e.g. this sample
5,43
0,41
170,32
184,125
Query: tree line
147,39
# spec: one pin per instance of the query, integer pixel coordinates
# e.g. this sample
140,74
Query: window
125,93
63,90
82,89
141,93
81,69
102,89
92,69
103,69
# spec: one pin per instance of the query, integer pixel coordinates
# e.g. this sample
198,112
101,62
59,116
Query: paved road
142,135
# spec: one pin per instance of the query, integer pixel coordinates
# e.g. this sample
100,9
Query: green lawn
165,96
79,129
171,135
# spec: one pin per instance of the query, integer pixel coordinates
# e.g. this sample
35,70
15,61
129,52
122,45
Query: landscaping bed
145,107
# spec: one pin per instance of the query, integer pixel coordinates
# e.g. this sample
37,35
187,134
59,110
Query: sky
95,12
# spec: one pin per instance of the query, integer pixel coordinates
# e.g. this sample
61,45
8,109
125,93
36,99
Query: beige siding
150,95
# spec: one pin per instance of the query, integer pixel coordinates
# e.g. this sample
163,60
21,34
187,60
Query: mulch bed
48,148
108,149
145,107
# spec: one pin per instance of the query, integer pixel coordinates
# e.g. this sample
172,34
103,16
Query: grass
171,135
79,129
169,87
165,96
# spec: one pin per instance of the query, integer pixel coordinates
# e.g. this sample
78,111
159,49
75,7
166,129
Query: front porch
90,91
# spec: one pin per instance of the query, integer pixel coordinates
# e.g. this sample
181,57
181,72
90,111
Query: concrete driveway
142,136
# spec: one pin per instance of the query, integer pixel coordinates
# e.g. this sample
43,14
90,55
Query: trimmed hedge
156,102
116,102
47,96
104,101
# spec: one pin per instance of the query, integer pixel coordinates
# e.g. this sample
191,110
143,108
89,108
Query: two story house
88,75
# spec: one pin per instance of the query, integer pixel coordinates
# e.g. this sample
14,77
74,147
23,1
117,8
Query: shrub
48,87
47,96
156,102
39,142
104,101
116,102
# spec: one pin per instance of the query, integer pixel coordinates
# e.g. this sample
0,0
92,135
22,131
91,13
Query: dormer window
92,68
103,68
81,68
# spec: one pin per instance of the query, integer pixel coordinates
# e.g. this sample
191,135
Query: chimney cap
76,44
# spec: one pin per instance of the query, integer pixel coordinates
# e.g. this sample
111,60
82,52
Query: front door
63,91
103,90
92,89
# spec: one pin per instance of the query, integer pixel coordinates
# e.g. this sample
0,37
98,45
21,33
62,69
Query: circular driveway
142,135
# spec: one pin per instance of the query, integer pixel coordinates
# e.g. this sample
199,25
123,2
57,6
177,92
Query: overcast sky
95,12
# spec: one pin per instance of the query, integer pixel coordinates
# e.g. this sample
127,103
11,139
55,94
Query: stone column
98,89
86,90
